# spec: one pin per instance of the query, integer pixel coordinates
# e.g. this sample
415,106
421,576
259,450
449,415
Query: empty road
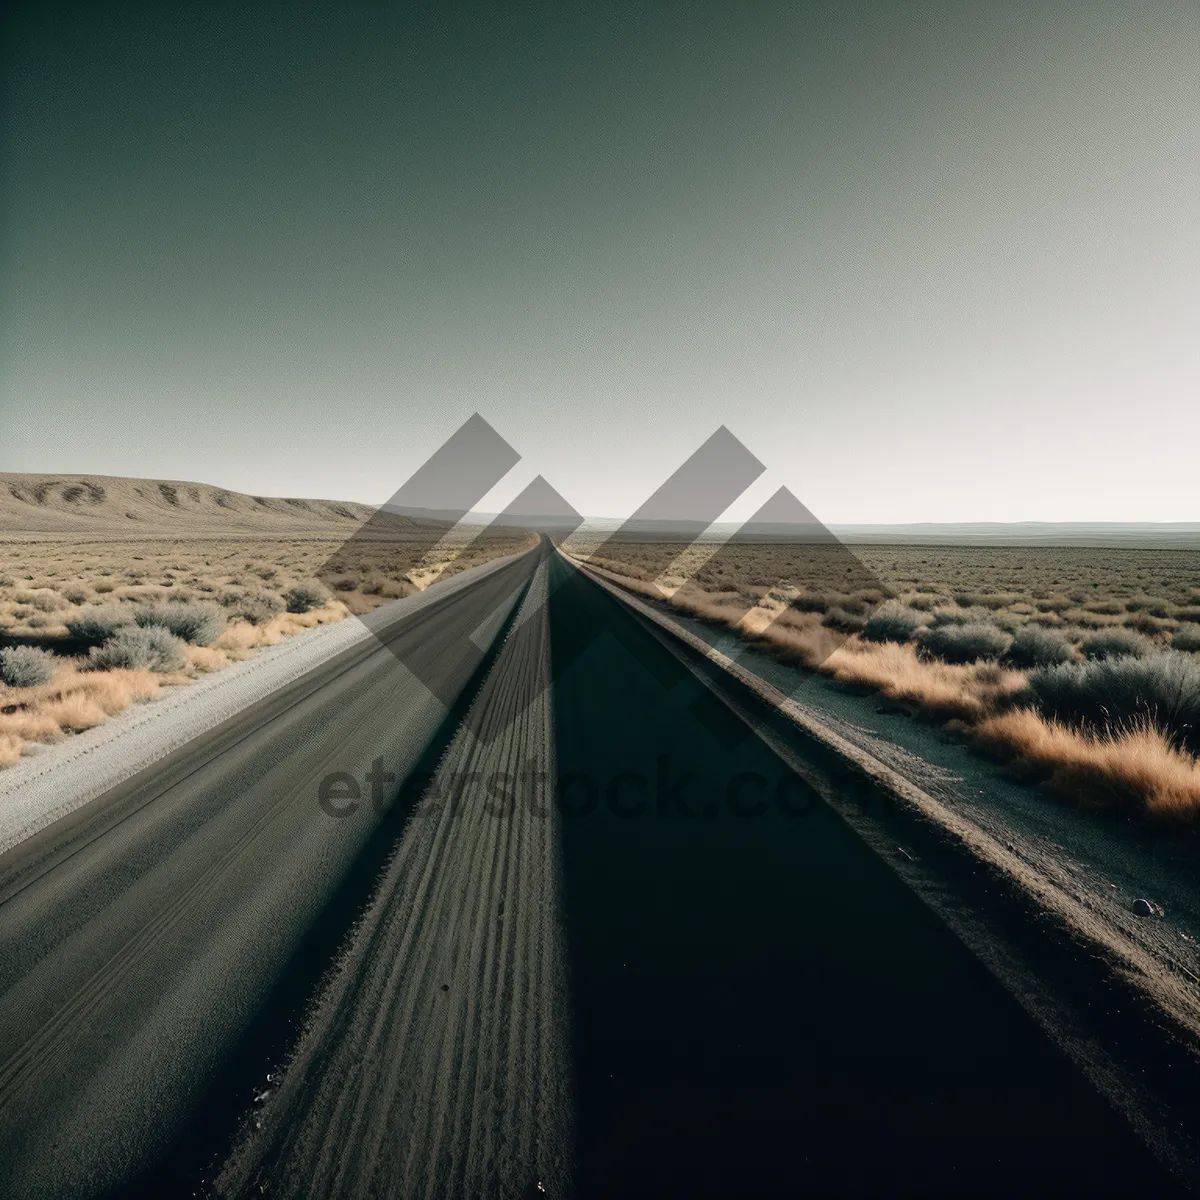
590,938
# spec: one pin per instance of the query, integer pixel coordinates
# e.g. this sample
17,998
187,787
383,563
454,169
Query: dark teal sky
929,261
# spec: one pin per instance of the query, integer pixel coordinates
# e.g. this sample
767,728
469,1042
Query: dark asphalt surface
759,1004
141,937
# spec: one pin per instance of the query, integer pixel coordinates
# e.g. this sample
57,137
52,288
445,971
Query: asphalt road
595,943
437,1062
143,939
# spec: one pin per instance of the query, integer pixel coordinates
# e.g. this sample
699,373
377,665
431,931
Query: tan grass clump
29,725
10,749
206,658
75,712
240,636
1135,769
72,701
116,690
967,691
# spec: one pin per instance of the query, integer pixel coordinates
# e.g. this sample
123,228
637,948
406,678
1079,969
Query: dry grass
43,582
74,713
1077,590
206,658
767,598
46,582
10,749
72,701
1136,770
967,692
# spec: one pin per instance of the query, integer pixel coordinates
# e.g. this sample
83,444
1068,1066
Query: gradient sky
928,261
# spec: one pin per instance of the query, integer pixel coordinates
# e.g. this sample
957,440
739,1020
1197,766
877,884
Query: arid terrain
111,589
1080,667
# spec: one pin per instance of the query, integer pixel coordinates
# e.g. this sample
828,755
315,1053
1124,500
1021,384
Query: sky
927,261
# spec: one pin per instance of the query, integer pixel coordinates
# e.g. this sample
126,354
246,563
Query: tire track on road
436,1062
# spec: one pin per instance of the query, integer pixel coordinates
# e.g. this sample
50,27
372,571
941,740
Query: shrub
1141,623
925,603
305,596
965,643
200,624
76,595
1120,693
152,647
838,618
988,600
893,624
374,584
961,616
1187,638
259,607
1109,607
1054,603
810,602
1037,647
43,601
96,625
26,666
871,595
1116,643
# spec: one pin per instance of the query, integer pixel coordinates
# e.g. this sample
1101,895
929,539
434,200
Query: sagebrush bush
836,617
200,624
96,625
964,643
152,647
813,602
961,616
26,666
1122,693
1035,646
1116,643
893,623
1187,639
1143,623
925,603
42,600
305,596
259,607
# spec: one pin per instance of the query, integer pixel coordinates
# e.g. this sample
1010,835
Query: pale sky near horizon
929,262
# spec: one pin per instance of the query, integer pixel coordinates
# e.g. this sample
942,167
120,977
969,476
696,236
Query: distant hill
109,505
106,505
